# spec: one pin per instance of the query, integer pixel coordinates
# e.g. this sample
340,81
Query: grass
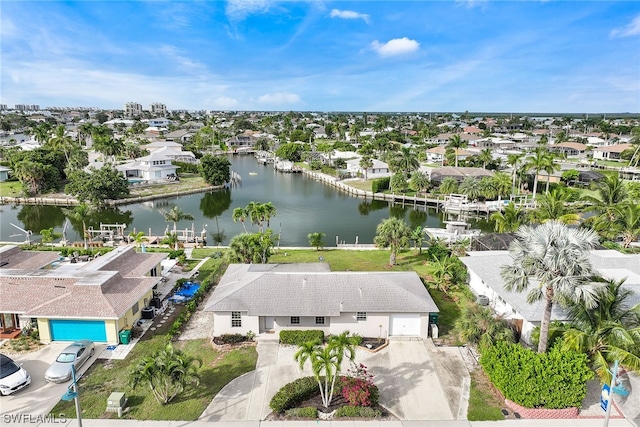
373,260
218,369
11,189
187,182
485,403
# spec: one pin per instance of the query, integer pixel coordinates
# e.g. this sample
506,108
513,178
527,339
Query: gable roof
272,291
14,257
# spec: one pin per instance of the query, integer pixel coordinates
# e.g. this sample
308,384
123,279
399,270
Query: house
268,298
70,301
4,173
459,174
179,135
610,152
242,141
172,150
155,166
569,149
378,168
485,279
437,154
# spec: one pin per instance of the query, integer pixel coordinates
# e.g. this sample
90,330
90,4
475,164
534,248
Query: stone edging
541,413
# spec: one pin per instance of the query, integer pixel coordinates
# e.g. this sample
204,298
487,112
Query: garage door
405,324
71,330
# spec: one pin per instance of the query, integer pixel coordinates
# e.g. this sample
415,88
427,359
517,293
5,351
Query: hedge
301,337
357,412
553,380
306,412
381,184
294,393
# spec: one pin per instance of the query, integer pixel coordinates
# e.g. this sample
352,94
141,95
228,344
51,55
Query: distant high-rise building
158,109
3,107
132,109
27,107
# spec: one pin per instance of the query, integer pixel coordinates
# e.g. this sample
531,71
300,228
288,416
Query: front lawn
104,377
485,402
11,189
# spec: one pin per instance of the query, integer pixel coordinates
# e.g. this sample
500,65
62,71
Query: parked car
74,355
13,376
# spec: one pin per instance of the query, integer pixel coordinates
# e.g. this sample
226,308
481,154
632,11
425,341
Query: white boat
453,231
253,173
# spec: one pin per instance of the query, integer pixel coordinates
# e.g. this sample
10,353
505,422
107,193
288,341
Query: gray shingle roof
609,263
273,292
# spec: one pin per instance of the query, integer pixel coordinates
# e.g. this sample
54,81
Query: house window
361,316
236,319
319,320
295,320
135,308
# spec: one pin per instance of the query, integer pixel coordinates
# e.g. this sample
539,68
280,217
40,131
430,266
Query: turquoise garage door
72,330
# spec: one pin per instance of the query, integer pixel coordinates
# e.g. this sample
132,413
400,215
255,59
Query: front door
269,323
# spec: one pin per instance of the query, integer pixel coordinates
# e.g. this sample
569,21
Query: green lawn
105,377
11,189
485,403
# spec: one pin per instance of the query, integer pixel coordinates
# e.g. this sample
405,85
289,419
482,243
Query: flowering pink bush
358,388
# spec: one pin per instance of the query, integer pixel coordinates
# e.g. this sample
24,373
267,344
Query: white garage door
405,324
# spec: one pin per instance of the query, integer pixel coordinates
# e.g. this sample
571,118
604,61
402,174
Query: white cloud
349,14
631,29
470,4
279,98
239,9
395,46
177,57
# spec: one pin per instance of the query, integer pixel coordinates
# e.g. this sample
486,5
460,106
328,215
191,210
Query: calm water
303,206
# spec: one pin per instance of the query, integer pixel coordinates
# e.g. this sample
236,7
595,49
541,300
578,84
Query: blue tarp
188,289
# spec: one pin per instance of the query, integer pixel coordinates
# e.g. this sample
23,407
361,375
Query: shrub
306,412
380,185
552,380
294,393
301,337
232,338
358,388
176,254
357,412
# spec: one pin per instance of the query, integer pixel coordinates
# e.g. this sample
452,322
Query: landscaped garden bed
373,344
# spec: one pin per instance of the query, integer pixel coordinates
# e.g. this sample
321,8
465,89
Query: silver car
74,355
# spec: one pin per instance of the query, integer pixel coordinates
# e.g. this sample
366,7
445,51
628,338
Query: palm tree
175,215
172,240
456,143
550,167
167,372
627,222
30,174
316,240
80,213
405,161
508,220
608,332
138,238
471,187
49,235
513,160
537,162
611,192
392,233
60,141
501,184
417,236
555,205
419,181
486,157
479,325
240,214
555,259
449,185
442,274
366,163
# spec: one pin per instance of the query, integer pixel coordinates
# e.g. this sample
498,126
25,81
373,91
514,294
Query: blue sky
500,56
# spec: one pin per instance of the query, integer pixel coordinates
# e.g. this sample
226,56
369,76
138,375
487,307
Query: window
135,308
236,319
319,320
295,320
361,316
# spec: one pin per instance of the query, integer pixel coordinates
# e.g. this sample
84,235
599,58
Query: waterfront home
85,299
486,282
378,169
268,298
610,152
459,174
570,149
179,135
437,154
155,166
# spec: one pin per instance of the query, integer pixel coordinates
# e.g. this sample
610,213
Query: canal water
303,206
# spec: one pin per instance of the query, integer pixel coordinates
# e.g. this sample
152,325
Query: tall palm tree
449,185
507,220
419,181
486,157
392,233
627,223
555,205
550,167
175,215
610,192
167,372
555,260
471,187
30,174
366,163
537,162
513,160
240,214
405,160
60,141
80,213
456,143
608,332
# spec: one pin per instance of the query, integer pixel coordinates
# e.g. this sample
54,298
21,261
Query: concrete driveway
40,396
404,373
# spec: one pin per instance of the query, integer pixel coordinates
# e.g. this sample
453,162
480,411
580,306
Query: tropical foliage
479,325
393,233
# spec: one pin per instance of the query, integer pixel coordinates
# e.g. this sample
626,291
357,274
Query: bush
380,185
306,412
301,337
176,254
232,338
357,412
294,393
552,380
358,388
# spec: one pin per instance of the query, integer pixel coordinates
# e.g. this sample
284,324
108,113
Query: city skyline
559,57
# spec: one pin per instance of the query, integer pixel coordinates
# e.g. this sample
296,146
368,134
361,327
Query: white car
13,376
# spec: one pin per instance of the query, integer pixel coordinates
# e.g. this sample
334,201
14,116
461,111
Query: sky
361,56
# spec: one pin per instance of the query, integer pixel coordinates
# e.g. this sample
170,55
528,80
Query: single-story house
610,152
572,149
71,301
485,279
268,298
378,169
437,154
459,174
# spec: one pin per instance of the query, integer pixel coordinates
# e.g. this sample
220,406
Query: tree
607,332
550,167
513,160
98,186
316,240
555,259
556,205
479,325
449,185
486,157
326,361
175,215
249,248
456,143
240,214
139,238
366,163
419,181
507,220
290,151
107,145
471,188
537,162
392,233
610,192
30,174
60,141
49,235
171,239
417,237
167,372
404,161
627,223
80,213
443,273
215,169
